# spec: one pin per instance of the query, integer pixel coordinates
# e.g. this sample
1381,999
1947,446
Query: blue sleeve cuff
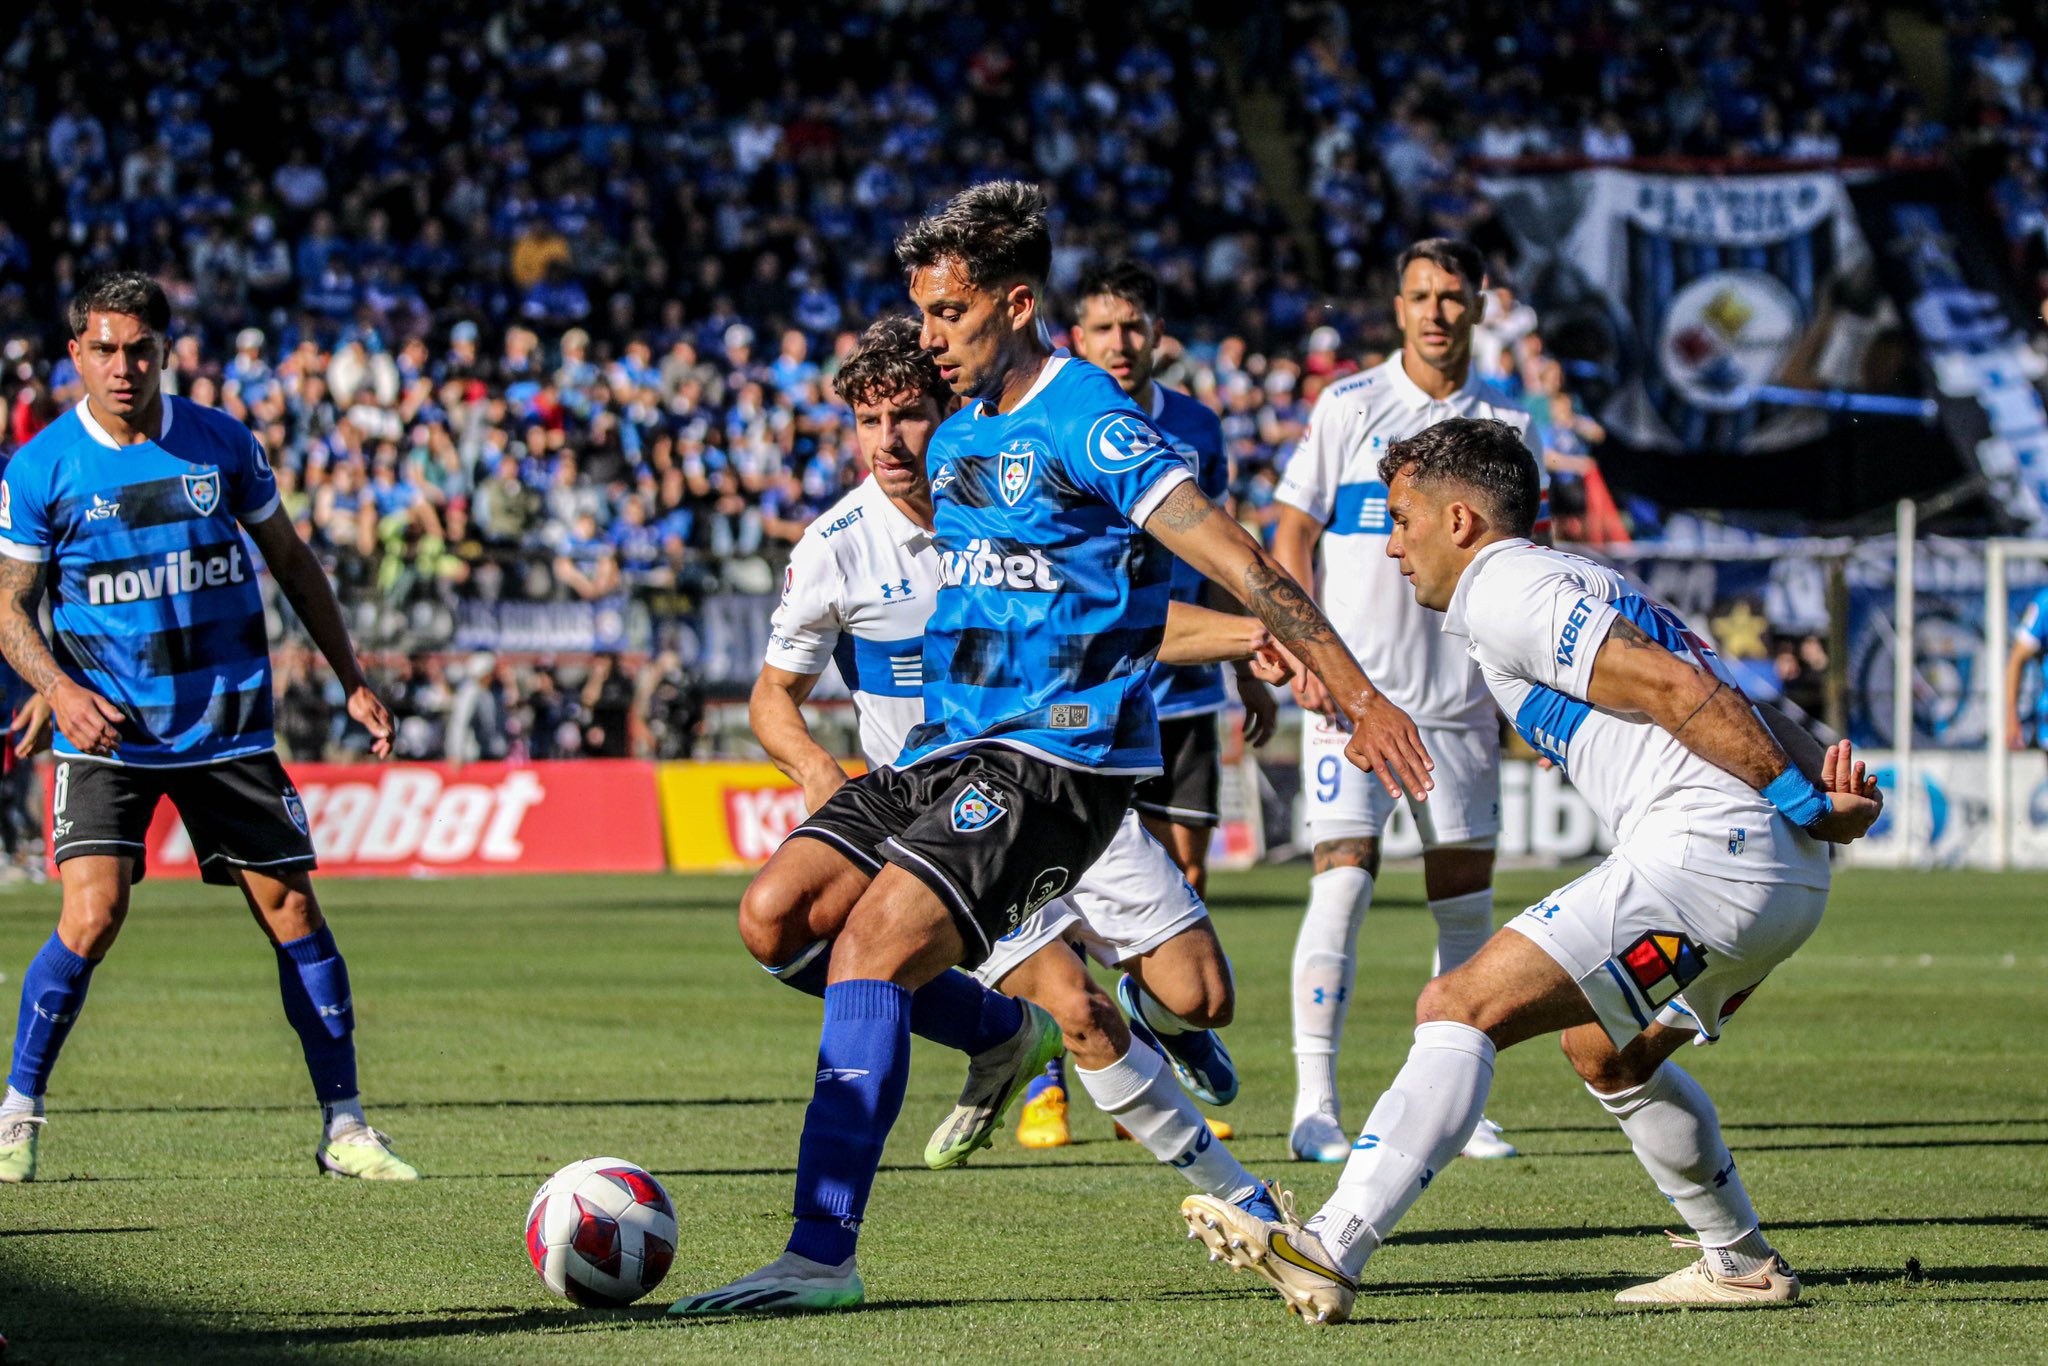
1796,797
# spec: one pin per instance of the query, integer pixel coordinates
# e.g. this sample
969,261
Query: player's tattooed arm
1633,673
21,636
89,721
1384,740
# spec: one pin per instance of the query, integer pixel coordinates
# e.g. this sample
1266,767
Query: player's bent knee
91,920
772,921
1444,999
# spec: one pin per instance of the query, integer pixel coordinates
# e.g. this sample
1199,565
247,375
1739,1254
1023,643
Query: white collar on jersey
1053,365
1411,392
1454,614
906,532
99,433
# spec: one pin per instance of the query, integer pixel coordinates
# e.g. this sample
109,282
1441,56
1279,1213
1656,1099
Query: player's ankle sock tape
1413,1133
1139,1090
1671,1124
863,1063
1463,925
313,980
1324,956
808,971
956,1010
52,993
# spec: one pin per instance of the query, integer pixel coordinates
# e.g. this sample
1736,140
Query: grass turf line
1883,1095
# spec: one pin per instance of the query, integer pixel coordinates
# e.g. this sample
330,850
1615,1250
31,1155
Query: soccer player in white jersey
859,593
1331,494
1719,873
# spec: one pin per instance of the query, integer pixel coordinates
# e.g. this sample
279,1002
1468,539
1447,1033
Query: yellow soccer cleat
18,1148
363,1154
1043,1123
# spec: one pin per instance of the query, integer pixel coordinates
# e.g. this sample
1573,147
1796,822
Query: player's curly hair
1131,281
128,292
1486,457
888,362
996,230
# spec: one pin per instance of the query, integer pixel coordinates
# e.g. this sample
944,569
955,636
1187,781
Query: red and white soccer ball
601,1232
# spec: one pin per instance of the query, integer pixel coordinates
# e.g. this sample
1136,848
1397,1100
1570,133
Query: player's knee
772,921
1445,999
1095,1032
91,919
1601,1066
1215,1001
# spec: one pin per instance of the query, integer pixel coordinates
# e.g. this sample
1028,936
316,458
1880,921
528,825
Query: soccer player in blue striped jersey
1038,702
142,514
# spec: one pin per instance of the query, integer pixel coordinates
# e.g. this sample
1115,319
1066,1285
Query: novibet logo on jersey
181,572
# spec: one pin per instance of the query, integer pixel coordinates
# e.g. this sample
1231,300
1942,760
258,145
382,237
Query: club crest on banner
202,491
975,810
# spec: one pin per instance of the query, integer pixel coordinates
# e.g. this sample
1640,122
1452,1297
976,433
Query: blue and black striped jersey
1190,689
1051,600
152,585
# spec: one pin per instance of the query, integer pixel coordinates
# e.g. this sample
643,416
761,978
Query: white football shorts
1132,900
1346,802
1654,942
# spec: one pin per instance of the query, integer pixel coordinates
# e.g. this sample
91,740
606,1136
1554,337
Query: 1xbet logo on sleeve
1568,639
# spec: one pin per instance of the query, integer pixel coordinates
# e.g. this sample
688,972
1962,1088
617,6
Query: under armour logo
890,591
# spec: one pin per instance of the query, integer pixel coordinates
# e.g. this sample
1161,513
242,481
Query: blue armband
1795,796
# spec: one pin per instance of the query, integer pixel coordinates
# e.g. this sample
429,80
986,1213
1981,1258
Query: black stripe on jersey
227,715
984,658
153,502
142,564
1110,655
202,645
973,484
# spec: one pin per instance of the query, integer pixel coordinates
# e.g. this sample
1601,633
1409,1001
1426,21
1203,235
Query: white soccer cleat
1486,1144
1287,1256
1319,1138
789,1284
1700,1286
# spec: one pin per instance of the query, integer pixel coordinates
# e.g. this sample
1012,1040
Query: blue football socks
863,1064
52,991
314,982
953,1009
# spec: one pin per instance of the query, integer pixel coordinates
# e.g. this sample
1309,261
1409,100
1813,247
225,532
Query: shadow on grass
1546,1235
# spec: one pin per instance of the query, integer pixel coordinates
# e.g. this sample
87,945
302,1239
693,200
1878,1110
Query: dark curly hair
889,362
996,231
128,292
1483,456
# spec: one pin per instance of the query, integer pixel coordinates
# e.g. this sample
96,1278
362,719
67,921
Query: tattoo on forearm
1288,612
21,637
1186,508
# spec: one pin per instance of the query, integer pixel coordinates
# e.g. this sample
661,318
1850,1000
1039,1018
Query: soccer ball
601,1232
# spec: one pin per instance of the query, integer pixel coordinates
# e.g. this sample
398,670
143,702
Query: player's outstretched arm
304,584
1633,673
1295,535
89,721
1383,740
775,711
1201,635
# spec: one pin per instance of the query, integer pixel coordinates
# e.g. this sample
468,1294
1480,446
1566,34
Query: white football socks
1463,925
341,1115
1140,1092
1325,959
18,1103
1676,1135
1412,1134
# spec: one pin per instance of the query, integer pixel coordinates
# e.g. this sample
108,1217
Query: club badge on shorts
202,491
295,809
1660,964
975,810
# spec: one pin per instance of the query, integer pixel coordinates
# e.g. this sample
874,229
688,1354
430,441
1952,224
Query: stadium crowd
541,304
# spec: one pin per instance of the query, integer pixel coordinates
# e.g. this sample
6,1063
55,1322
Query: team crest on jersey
202,491
975,810
295,808
1017,461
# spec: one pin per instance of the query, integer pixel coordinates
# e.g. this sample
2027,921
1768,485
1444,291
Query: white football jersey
1334,477
1533,619
858,592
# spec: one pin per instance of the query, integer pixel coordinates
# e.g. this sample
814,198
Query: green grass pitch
1884,1095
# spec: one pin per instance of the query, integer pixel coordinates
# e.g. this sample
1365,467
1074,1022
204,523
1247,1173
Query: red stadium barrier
574,816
